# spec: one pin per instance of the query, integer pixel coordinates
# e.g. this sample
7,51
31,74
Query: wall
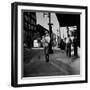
5,46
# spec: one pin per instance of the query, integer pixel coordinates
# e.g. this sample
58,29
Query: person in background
75,45
68,46
45,41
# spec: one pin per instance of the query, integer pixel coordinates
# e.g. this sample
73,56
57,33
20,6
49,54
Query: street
59,63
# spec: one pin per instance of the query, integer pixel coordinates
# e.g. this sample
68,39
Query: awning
68,19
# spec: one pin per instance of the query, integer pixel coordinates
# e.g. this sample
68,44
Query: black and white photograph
51,44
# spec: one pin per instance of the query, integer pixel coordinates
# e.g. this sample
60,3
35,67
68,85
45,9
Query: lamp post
50,32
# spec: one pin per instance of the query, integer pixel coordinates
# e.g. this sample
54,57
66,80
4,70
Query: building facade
29,27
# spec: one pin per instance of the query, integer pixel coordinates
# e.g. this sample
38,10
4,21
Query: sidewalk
59,64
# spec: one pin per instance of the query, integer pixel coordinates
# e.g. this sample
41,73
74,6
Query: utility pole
67,30
50,31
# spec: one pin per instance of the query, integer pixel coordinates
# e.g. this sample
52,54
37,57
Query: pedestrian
75,45
68,46
45,41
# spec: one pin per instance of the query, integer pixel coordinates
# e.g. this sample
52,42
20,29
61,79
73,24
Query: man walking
45,41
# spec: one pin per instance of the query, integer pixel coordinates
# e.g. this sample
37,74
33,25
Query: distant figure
68,46
45,41
75,45
62,44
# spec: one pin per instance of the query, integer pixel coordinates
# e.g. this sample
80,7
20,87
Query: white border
82,51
